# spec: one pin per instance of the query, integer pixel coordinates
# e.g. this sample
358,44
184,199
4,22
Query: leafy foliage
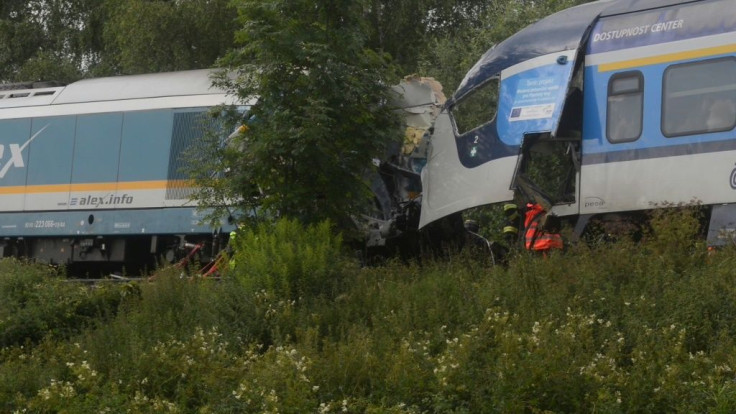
37,304
609,328
407,29
159,36
289,261
65,40
46,40
322,113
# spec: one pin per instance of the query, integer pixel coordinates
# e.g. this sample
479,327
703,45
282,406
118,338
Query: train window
476,109
699,97
624,111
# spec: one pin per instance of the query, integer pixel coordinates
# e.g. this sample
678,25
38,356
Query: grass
620,327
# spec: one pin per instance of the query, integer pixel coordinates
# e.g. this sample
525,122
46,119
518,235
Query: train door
548,168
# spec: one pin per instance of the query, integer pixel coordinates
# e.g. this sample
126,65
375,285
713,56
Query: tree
322,113
405,29
47,39
144,36
66,40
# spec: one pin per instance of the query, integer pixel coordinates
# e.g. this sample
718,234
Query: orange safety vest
536,239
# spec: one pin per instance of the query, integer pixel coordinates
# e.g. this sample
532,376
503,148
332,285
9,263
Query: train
93,172
600,110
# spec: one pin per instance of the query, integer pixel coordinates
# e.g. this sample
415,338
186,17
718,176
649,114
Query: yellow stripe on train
110,186
670,57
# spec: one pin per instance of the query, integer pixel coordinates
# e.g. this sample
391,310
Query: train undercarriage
131,255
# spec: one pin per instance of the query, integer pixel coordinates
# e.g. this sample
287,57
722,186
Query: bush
676,236
35,303
289,260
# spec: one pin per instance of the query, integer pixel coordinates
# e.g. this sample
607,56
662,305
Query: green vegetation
66,40
321,115
298,327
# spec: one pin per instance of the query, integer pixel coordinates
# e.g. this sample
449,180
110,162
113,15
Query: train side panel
50,159
95,171
119,161
660,109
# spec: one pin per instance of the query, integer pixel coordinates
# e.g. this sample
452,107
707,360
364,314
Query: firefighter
513,220
230,250
535,237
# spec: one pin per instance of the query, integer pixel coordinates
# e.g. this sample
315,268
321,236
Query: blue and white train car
639,97
92,171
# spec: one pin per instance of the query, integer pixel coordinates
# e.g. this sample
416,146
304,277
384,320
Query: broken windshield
476,109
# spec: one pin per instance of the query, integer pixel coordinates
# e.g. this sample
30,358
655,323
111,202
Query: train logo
16,154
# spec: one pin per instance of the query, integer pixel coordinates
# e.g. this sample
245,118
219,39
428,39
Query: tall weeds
622,327
288,260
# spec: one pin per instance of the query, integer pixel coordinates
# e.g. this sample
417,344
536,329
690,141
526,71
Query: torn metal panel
398,186
420,100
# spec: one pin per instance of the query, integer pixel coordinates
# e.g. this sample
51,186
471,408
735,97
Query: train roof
155,85
558,32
